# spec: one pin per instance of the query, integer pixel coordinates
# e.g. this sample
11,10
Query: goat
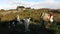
47,19
26,23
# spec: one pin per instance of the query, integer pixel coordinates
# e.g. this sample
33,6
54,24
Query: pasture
19,29
35,24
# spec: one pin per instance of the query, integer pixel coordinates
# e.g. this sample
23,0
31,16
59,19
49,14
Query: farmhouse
19,8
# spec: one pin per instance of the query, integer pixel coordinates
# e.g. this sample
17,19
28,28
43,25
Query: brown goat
46,18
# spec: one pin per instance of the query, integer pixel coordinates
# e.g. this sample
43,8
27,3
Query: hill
7,15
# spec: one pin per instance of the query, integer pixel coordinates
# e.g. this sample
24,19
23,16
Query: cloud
40,4
47,4
34,4
13,3
23,3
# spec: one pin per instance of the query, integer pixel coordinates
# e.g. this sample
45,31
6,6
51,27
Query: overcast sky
11,4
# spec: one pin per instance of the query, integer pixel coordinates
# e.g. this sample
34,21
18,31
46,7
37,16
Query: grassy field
6,15
34,29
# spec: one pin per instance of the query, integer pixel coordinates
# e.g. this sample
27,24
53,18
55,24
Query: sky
12,4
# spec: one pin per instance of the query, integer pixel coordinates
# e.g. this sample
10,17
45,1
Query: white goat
26,23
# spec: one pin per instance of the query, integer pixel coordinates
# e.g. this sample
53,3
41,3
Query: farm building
19,8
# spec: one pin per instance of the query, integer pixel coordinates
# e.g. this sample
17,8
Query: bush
55,28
